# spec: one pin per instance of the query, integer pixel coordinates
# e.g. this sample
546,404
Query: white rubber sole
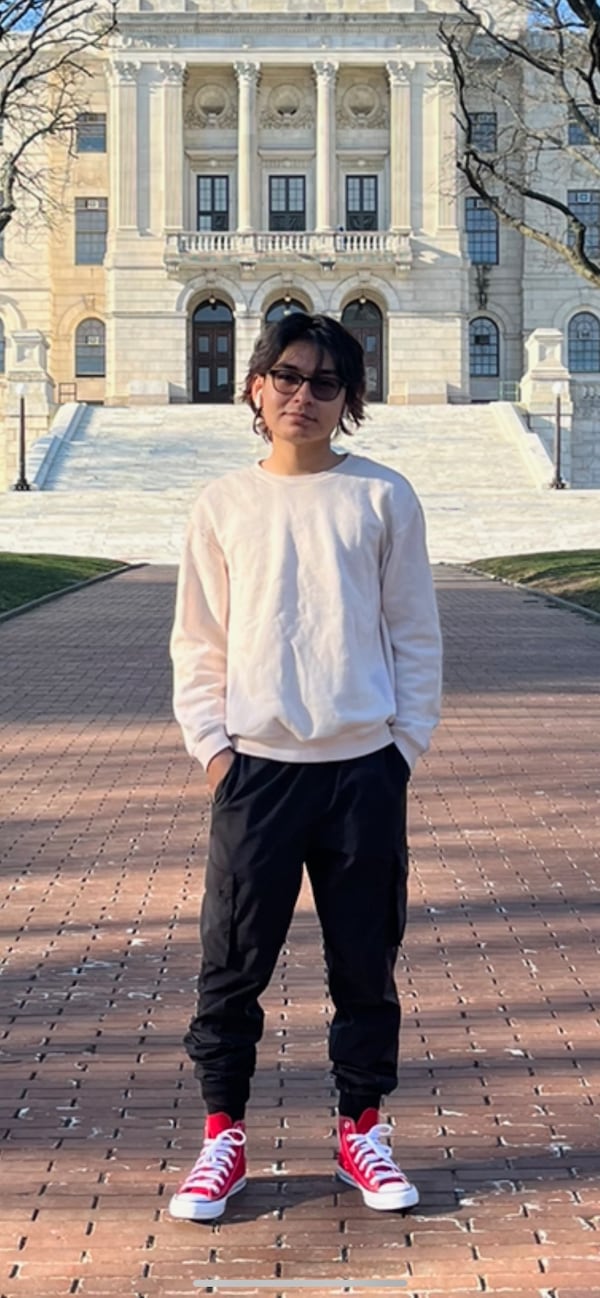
383,1200
185,1208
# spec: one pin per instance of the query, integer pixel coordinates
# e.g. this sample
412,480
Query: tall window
90,133
484,131
585,203
361,202
483,349
2,348
287,205
482,233
577,131
212,202
584,343
91,225
90,350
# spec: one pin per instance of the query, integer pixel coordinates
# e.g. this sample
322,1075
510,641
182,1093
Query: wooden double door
213,353
364,320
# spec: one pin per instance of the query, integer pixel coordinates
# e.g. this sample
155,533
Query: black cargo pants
347,821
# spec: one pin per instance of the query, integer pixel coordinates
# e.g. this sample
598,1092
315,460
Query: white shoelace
370,1154
215,1161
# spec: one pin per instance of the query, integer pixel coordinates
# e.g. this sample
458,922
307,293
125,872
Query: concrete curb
67,590
529,590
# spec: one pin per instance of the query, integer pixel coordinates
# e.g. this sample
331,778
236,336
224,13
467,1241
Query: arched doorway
212,352
363,319
284,306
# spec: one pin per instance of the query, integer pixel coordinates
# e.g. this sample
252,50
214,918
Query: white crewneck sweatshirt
306,625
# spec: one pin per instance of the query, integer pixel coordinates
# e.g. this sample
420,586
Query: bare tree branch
43,48
536,64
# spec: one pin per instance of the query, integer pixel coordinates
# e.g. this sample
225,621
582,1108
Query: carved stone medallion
285,106
362,106
212,105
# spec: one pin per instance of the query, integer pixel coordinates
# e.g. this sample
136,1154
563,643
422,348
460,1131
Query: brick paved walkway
497,1116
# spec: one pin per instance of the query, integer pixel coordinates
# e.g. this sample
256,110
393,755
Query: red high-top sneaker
365,1162
220,1170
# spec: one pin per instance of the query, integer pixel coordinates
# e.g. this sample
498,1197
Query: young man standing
307,654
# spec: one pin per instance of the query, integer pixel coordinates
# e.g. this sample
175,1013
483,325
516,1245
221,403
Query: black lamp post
21,484
558,482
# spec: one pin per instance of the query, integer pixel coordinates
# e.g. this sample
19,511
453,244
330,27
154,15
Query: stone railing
324,249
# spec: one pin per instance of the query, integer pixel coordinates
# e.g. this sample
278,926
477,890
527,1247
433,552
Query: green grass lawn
24,577
571,574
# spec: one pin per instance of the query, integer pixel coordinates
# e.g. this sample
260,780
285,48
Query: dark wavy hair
326,335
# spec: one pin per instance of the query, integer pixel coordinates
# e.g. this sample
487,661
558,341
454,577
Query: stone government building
241,158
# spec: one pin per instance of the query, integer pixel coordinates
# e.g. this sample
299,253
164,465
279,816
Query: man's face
299,417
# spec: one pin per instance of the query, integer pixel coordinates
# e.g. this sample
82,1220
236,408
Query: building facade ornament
124,71
172,74
285,106
362,106
248,73
399,73
326,71
212,105
148,41
441,75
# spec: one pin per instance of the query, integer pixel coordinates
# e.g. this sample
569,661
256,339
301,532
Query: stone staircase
443,450
120,482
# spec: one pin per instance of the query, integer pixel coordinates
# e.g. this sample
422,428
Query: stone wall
585,434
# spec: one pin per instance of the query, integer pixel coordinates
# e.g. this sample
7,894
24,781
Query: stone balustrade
199,247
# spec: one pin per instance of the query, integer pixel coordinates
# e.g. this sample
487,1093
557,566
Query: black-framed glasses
324,387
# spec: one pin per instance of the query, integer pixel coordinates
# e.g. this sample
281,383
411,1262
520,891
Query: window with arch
90,350
2,348
484,349
212,311
361,312
584,343
284,306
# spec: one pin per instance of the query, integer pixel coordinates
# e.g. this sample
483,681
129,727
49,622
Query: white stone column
173,75
442,77
326,151
124,139
247,77
399,75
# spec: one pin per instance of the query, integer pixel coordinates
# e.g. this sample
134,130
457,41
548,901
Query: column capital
441,75
326,71
124,71
172,74
247,72
399,73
